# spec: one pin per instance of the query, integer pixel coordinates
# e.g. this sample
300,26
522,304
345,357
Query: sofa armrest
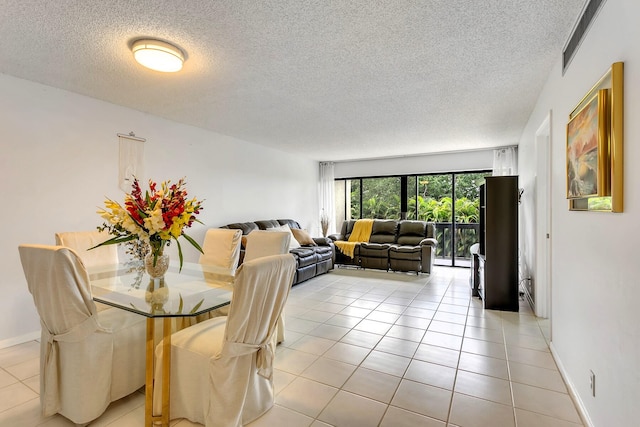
323,241
429,242
334,237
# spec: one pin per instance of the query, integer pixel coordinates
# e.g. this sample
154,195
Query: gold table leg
163,418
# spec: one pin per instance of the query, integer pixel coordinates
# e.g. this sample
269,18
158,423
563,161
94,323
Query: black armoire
498,252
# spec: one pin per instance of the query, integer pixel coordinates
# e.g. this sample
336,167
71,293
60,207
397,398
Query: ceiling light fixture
158,55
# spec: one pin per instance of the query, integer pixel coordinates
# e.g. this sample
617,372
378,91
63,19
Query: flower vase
159,268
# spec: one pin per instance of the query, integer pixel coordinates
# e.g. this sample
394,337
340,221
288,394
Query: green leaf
193,242
180,305
179,253
194,309
115,241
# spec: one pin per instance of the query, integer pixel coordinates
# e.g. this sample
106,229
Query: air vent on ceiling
580,29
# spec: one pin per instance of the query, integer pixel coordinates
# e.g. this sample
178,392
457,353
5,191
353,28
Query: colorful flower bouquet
155,219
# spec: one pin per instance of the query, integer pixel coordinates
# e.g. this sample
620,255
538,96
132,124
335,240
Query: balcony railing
466,235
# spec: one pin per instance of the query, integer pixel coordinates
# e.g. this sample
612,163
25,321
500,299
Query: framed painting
588,149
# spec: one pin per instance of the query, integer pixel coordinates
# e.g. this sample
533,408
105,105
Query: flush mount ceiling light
158,55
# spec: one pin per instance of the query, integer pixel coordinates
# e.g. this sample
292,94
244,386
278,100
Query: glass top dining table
193,290
188,292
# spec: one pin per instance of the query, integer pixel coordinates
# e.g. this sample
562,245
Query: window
450,200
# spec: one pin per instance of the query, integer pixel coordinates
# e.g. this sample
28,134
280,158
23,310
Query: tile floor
369,348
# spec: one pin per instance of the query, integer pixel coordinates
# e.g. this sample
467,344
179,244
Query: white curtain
505,161
327,195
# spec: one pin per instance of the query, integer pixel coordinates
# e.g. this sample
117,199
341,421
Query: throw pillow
293,243
303,237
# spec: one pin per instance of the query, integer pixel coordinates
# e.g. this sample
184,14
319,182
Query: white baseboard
582,411
20,340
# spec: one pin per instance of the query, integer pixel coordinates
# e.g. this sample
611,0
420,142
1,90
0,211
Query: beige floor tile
347,353
373,327
391,308
6,378
281,379
306,396
386,362
493,335
531,419
381,316
484,365
397,417
413,321
484,387
453,342
120,408
372,384
450,317
24,414
281,416
397,346
19,353
362,339
313,345
356,312
362,303
330,332
439,355
454,307
26,369
538,377
541,359
15,394
350,410
546,402
302,325
329,371
344,321
469,411
485,348
293,361
406,333
423,313
446,328
422,398
430,373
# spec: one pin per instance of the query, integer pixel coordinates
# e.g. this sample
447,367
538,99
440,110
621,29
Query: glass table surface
194,290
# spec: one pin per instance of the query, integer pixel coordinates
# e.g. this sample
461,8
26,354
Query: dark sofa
393,245
311,260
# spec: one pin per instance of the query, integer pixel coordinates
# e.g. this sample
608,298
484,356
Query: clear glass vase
159,268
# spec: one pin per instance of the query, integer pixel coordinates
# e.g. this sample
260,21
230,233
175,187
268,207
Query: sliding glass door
450,200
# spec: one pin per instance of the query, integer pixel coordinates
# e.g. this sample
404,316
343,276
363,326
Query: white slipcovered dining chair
222,368
81,241
262,243
87,359
221,248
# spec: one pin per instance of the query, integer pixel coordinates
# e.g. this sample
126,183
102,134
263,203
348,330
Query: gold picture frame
602,156
588,149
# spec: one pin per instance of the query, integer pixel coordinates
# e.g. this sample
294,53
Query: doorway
541,286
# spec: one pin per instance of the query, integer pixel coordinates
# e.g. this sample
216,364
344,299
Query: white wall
60,160
446,162
595,285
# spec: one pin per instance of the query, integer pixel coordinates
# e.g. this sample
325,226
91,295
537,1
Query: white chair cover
261,243
81,241
237,351
87,359
221,248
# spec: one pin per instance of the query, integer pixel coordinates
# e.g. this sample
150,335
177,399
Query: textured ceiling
330,80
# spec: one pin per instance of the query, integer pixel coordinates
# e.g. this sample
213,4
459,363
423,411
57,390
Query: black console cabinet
498,254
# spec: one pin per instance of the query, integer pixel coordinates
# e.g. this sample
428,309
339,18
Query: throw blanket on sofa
361,233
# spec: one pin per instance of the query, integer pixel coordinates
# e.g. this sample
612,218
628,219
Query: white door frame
542,277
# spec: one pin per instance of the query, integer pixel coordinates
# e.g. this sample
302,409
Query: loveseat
403,245
311,259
